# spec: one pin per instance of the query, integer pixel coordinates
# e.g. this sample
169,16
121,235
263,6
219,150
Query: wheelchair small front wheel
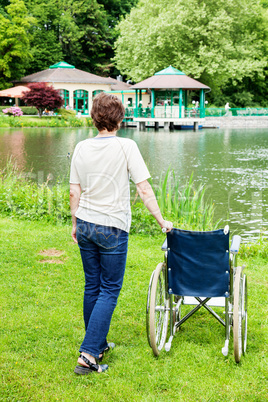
159,310
240,314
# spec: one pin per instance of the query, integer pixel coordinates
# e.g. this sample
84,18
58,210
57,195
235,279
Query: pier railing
217,112
163,112
174,112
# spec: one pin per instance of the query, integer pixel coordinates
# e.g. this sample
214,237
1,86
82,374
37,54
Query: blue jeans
103,251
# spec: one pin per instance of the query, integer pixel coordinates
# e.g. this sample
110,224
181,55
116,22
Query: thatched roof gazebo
169,91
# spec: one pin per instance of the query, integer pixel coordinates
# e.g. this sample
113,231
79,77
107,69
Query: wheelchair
199,270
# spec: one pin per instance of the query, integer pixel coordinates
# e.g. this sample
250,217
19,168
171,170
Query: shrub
57,122
76,122
21,197
255,248
89,121
9,121
13,111
66,113
27,110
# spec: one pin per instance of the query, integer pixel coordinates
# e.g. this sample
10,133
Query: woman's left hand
74,234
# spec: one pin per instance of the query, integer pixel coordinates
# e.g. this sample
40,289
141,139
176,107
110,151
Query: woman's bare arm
148,198
75,192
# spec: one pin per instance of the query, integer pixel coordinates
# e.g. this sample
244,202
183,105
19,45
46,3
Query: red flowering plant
42,96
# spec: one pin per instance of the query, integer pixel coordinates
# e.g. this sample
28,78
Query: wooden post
152,103
180,104
185,102
202,103
166,125
136,104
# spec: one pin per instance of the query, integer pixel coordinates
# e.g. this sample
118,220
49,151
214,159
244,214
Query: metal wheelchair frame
164,307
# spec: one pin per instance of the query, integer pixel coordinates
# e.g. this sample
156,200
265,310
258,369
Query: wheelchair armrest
235,244
164,245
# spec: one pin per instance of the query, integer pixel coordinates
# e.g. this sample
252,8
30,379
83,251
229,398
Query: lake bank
231,163
237,122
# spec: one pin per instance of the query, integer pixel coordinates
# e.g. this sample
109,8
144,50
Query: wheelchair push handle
167,226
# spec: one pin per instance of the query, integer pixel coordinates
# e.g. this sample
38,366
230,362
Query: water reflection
231,163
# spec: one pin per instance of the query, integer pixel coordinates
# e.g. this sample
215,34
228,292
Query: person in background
227,109
101,218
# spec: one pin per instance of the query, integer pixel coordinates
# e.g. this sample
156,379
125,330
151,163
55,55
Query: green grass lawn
41,329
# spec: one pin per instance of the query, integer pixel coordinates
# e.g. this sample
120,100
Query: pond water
232,163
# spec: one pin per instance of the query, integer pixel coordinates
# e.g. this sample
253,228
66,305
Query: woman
101,217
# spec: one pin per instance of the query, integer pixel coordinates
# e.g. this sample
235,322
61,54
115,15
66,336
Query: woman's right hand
166,226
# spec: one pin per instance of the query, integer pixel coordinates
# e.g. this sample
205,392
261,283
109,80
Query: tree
116,9
219,45
14,42
81,32
89,44
76,31
42,96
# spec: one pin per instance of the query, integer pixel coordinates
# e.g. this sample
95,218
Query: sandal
110,346
91,367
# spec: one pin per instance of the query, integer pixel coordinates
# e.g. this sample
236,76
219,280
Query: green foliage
183,204
21,197
27,110
79,31
74,30
142,221
117,8
56,121
66,113
88,121
14,42
218,45
256,248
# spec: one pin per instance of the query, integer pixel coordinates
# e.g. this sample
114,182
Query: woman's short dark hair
107,112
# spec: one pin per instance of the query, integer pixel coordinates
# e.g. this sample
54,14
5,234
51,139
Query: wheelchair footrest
168,344
225,349
214,301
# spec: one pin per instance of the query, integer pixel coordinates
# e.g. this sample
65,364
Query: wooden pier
167,122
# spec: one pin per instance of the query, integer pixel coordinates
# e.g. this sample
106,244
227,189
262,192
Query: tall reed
186,204
22,197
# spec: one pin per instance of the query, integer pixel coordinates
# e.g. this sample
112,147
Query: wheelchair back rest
198,263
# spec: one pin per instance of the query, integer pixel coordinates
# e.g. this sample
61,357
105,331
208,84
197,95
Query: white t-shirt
102,166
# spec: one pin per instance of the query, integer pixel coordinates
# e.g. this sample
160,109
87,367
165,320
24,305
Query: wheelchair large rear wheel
240,314
159,310
148,308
